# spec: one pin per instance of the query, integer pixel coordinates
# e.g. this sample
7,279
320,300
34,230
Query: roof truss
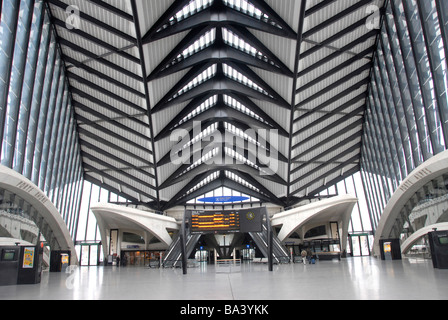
136,77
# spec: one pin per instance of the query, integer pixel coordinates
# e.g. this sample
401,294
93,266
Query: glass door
364,244
89,254
359,244
356,249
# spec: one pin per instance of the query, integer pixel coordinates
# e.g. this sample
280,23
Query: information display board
226,221
219,221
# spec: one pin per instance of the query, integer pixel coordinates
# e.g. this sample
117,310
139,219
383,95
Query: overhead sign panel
223,199
226,221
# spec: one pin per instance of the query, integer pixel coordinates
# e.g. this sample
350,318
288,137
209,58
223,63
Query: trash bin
438,242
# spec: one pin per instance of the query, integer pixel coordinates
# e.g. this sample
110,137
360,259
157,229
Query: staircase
279,252
173,259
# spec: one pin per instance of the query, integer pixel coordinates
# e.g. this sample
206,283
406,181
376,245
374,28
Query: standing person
118,260
309,255
303,254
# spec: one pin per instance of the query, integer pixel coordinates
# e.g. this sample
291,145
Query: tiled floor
353,278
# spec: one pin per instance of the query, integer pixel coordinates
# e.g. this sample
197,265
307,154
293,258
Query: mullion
408,108
60,145
18,66
35,108
52,123
413,83
379,160
386,128
49,89
31,72
384,149
389,110
8,47
62,166
435,63
442,14
424,76
376,166
392,78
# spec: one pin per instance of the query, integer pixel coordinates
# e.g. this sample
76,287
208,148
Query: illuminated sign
223,199
231,221
206,222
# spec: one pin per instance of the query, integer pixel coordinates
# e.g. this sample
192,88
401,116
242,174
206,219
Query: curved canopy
430,178
29,200
119,217
287,78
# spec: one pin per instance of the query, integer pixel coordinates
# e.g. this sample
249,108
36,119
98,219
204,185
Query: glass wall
38,135
407,110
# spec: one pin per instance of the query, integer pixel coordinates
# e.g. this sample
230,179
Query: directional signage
223,199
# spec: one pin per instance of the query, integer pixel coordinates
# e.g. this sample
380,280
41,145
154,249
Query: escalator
279,252
173,259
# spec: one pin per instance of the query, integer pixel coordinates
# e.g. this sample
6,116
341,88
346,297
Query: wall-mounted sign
223,199
28,258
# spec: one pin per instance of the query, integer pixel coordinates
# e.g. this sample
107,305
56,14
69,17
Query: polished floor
359,278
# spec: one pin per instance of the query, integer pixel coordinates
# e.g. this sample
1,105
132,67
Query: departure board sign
227,221
219,221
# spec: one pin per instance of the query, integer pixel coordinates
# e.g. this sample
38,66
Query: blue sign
223,199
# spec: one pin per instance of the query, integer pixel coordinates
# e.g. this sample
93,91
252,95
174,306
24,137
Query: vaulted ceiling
156,80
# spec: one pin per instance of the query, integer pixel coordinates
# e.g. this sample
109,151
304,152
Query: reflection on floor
351,278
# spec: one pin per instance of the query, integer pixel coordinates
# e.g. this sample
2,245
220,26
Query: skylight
203,42
207,104
240,133
207,74
210,178
190,9
239,77
235,104
245,7
240,180
232,153
209,130
248,8
204,159
237,42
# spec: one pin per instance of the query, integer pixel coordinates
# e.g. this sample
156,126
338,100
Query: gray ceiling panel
246,69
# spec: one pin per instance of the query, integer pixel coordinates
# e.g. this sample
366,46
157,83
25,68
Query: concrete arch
111,216
410,241
393,217
40,210
303,218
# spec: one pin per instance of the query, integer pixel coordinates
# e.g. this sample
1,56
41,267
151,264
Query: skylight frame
192,8
204,106
235,41
203,42
210,178
234,177
237,105
201,78
237,76
246,7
